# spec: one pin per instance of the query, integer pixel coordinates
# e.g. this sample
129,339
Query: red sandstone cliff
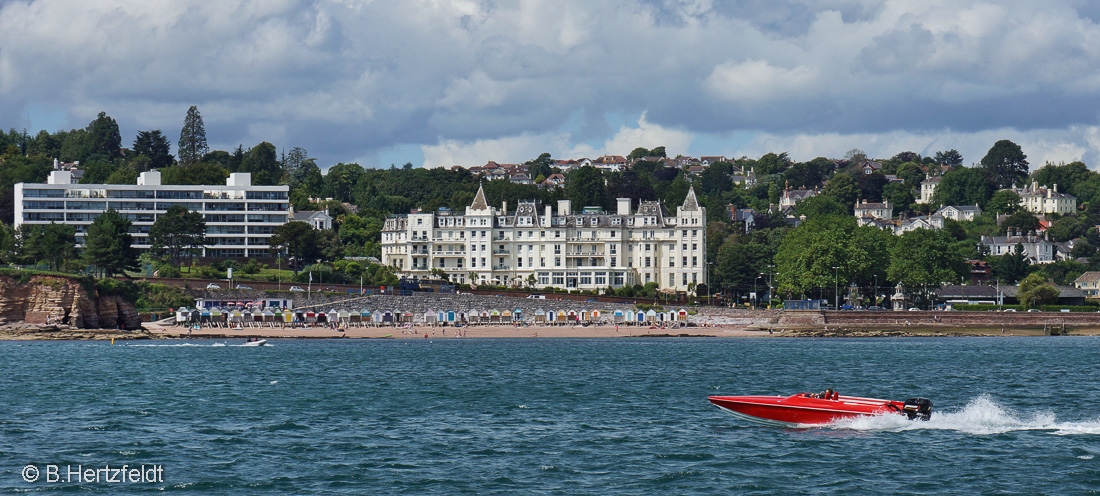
64,301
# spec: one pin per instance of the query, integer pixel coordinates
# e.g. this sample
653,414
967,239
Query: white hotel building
239,217
586,251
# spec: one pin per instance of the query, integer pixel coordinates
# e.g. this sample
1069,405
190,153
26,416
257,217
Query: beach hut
387,317
651,316
267,316
517,315
485,315
495,315
619,316
452,316
596,314
182,314
431,316
682,315
561,317
640,316
506,315
345,317
379,317
540,316
288,316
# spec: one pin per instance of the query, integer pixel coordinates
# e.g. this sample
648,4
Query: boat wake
982,416
193,345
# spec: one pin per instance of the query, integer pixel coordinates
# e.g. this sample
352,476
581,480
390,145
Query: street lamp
708,282
755,297
771,272
836,288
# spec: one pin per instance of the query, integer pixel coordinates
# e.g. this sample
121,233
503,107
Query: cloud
465,79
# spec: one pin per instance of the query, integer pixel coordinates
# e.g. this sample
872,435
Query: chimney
549,214
565,207
504,207
623,206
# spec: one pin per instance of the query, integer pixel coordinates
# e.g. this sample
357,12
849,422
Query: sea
625,416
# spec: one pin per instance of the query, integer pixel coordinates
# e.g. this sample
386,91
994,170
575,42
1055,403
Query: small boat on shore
258,342
807,409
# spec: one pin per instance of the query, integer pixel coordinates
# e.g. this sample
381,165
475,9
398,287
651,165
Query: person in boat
826,394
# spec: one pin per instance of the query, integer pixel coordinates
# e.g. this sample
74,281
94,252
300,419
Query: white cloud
463,80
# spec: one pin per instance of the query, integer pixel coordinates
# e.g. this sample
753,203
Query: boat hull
801,410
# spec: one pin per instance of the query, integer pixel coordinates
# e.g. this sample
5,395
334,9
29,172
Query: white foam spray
980,416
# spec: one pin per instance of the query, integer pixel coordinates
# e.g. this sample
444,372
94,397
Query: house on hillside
1089,282
959,212
1038,249
319,219
1042,200
927,188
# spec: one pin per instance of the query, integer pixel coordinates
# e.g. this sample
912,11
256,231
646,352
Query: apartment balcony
442,253
500,251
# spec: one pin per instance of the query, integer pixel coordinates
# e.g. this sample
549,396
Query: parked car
1034,310
213,286
242,286
914,309
1010,309
297,289
536,297
875,308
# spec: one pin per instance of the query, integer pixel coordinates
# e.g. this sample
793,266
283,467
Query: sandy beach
436,332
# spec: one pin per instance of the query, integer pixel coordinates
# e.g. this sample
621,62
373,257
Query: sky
463,82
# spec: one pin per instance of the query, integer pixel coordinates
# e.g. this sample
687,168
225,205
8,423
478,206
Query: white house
927,188
1041,200
1038,249
959,212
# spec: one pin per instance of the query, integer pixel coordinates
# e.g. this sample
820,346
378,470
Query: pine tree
192,144
108,245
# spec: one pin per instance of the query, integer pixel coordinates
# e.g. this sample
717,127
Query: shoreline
153,330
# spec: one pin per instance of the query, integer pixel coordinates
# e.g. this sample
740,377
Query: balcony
500,251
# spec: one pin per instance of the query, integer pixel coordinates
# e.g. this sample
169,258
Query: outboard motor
918,408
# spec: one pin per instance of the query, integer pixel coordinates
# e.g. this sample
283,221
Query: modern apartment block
239,217
541,246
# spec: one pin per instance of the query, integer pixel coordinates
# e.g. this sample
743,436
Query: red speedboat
810,409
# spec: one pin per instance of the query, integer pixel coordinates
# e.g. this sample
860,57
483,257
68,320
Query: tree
586,188
192,143
154,145
925,258
1006,163
298,241
1004,201
103,138
263,163
966,186
808,253
177,231
821,206
950,158
341,180
1023,222
898,194
51,243
1011,266
1035,290
911,173
843,188
108,246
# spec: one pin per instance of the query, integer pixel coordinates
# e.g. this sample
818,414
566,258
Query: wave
981,416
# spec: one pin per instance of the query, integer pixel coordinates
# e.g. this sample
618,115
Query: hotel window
519,262
542,262
685,279
694,261
483,264
671,280
613,261
647,264
530,261
557,261
671,261
557,249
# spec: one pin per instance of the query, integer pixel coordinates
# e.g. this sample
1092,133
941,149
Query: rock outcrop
61,300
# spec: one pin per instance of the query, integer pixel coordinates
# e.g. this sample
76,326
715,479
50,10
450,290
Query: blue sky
440,83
